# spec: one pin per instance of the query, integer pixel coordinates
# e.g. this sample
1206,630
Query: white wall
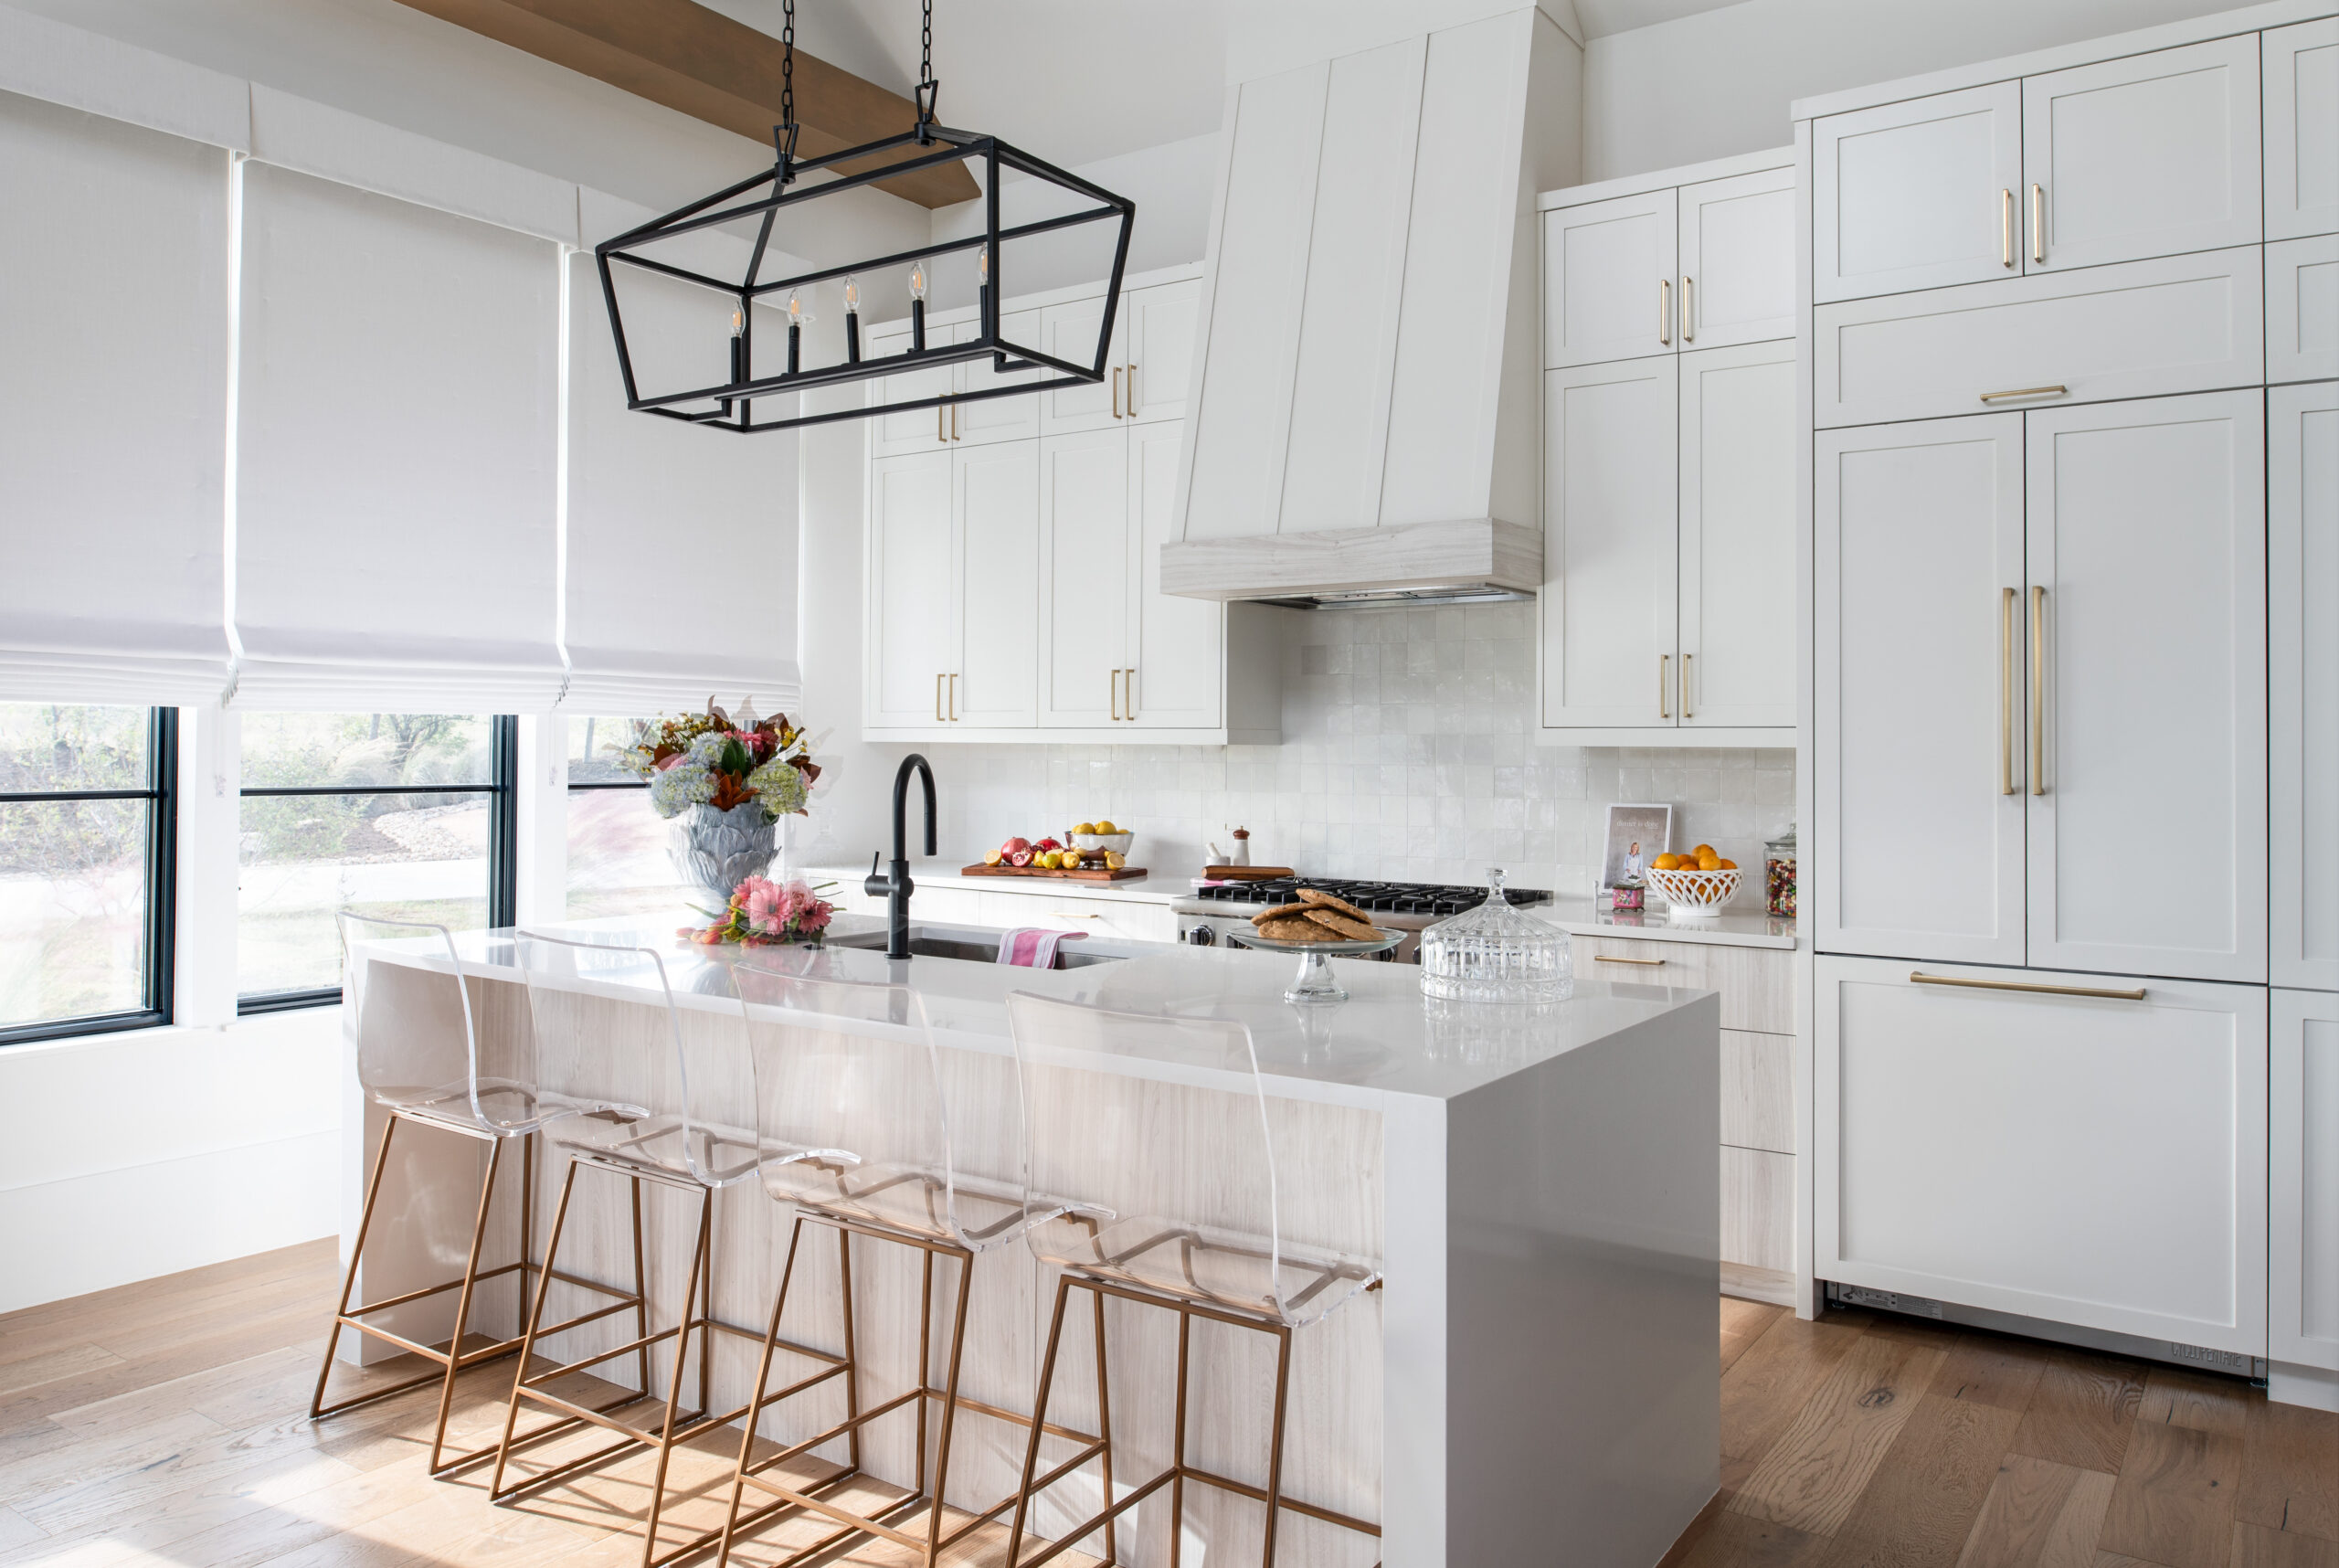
1718,84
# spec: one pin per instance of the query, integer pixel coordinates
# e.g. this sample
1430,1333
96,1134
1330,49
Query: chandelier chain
926,45
787,63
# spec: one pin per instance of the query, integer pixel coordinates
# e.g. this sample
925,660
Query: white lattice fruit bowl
1695,892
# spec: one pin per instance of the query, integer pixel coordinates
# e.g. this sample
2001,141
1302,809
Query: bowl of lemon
1100,836
1696,884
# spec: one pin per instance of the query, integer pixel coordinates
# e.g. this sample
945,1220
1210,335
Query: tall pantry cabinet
2074,490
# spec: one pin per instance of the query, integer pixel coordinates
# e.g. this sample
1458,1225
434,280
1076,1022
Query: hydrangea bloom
780,785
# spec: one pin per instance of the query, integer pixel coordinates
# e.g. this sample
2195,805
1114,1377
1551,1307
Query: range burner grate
1378,898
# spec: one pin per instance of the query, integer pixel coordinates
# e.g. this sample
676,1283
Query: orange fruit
1710,862
1667,863
1726,866
1702,851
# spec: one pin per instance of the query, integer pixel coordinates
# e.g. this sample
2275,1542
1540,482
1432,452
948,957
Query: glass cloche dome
1494,953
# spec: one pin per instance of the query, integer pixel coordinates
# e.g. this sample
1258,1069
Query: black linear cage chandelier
729,407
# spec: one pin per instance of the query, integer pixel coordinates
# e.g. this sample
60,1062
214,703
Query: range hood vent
1365,424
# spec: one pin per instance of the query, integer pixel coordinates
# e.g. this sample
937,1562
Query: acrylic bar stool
418,1058
1225,1263
855,1064
665,1117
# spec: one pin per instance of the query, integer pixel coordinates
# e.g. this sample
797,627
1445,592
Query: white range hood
1365,425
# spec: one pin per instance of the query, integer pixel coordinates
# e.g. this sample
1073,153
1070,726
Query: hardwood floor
1866,1441
162,1422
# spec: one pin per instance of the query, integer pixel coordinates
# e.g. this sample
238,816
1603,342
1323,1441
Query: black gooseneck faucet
897,887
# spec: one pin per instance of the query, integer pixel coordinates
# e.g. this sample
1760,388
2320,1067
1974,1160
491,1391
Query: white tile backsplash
1405,755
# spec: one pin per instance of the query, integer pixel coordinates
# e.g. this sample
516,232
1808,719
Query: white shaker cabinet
2302,310
2146,606
2302,678
2303,1267
996,500
913,430
2095,1159
991,419
1609,604
1737,260
911,644
2152,154
2301,65
1158,328
1179,670
1917,194
1609,279
1737,493
1920,707
1083,591
1069,332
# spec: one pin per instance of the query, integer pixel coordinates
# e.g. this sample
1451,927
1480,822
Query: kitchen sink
974,945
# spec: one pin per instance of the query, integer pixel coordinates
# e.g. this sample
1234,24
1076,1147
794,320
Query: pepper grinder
1242,847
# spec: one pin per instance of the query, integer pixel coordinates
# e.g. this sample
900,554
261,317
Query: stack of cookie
1316,917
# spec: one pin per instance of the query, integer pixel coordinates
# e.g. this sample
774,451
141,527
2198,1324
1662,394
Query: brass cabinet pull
1689,661
2006,691
1664,312
2038,690
938,697
2038,222
2027,392
1606,959
1116,391
1128,693
953,696
1132,391
2006,227
1117,693
1688,309
1920,977
954,421
941,413
1664,668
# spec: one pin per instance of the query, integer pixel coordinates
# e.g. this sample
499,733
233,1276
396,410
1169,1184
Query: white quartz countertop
1734,927
944,873
1386,1041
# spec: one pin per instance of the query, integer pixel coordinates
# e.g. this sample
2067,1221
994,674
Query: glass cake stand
1314,982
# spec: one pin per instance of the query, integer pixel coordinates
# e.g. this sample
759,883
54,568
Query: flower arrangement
763,913
712,759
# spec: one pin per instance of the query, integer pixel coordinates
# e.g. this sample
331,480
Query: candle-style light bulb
917,307
851,319
798,316
738,348
917,280
851,295
982,289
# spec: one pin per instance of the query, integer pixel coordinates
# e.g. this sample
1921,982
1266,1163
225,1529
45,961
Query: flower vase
713,851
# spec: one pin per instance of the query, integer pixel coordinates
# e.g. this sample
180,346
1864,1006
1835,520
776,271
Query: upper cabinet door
1611,289
1177,672
1158,326
2302,649
916,429
1069,332
1610,654
1013,418
1738,531
1082,582
999,555
1919,709
2301,71
2147,568
912,645
1918,195
1738,259
2303,309
2151,156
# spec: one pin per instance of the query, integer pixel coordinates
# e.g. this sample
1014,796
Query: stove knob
1203,936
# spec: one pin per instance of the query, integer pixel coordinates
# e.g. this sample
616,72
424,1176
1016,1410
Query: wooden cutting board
1246,873
1125,874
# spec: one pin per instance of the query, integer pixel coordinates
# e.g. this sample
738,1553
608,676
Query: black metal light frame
732,400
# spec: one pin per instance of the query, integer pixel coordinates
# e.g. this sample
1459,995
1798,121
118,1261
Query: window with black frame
404,815
617,844
86,868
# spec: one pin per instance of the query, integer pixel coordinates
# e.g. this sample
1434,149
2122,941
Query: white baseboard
93,1232
2311,1386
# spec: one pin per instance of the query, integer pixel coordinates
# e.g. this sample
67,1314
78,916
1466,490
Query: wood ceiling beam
688,58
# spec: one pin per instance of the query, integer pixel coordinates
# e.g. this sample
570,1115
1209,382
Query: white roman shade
681,542
395,534
113,382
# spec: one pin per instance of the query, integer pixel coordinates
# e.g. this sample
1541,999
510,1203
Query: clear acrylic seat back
862,1114
1168,1185
432,1039
648,1082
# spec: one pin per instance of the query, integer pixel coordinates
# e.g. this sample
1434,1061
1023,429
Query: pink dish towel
1033,948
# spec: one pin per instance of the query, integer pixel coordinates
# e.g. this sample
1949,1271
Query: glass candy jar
1494,953
1778,874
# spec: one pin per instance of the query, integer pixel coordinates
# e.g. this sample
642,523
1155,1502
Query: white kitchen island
1536,1382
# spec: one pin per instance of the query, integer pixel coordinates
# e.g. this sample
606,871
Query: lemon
1104,828
1115,860
1085,828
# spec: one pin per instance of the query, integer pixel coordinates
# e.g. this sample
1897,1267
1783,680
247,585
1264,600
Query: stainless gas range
1209,914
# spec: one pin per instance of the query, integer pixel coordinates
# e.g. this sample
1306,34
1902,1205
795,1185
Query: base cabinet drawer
2092,1160
1757,984
1103,917
2141,329
1758,1208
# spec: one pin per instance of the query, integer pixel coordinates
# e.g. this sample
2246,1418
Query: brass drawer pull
2038,690
1664,312
2006,227
937,698
1688,309
1606,959
2028,392
1919,977
1116,391
1132,400
2005,691
2037,223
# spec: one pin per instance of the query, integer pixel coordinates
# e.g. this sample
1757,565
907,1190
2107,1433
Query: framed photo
1637,835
